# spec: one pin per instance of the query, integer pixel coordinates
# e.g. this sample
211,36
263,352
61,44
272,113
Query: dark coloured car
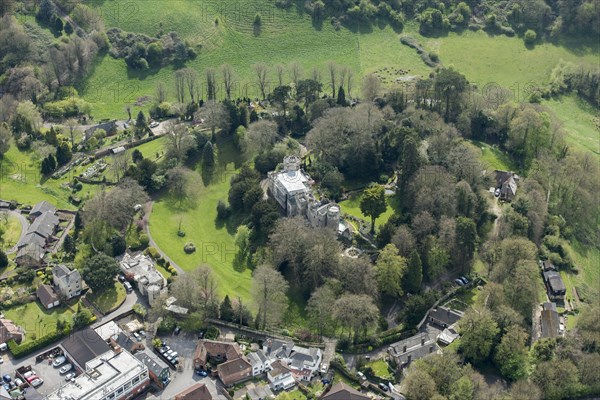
201,372
459,282
383,386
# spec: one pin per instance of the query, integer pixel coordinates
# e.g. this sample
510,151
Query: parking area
51,375
184,344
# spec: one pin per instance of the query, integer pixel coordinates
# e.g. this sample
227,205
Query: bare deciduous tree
179,141
261,70
295,72
228,78
269,289
371,86
214,115
332,68
191,81
160,92
180,85
211,84
279,69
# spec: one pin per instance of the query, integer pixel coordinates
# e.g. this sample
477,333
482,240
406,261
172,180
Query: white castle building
291,188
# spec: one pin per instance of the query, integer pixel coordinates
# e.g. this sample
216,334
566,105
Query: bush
189,248
223,212
530,37
152,252
144,241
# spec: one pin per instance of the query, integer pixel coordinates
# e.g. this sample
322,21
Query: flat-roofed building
113,376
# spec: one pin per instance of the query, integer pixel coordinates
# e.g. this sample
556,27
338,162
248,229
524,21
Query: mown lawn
493,158
580,121
214,240
285,36
37,321
109,299
12,230
351,206
380,369
489,61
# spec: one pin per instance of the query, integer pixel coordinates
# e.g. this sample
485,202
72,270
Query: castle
291,188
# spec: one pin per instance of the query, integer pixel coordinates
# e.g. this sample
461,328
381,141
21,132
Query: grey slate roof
42,207
154,364
555,281
30,250
275,348
44,225
84,346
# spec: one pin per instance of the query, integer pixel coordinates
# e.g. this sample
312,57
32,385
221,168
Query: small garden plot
36,320
110,299
381,369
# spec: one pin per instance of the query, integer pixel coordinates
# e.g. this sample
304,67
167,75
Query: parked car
465,280
174,354
122,278
361,375
3,347
18,382
7,387
324,368
66,368
177,330
6,378
497,192
69,376
459,282
201,372
128,287
58,361
28,374
36,382
383,386
142,333
175,361
153,124
137,336
32,378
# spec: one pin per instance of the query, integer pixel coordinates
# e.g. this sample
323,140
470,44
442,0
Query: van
128,287
3,347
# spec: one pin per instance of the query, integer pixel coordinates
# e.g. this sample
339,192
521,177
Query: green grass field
12,230
493,158
381,369
580,121
214,242
351,206
37,321
285,36
110,299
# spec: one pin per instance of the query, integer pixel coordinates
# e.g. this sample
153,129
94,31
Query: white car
58,361
37,382
154,124
66,369
28,374
69,376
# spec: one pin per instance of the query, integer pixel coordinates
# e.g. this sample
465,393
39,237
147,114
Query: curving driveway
24,227
147,211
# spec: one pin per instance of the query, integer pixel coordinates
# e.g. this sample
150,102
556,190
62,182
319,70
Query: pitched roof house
280,376
555,285
159,372
199,391
278,349
47,296
413,348
259,361
444,317
304,362
341,391
8,331
40,208
547,265
507,183
234,371
550,321
68,282
30,255
215,351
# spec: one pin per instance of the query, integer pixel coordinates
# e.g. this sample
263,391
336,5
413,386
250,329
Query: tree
180,86
82,318
63,153
99,272
226,310
281,95
228,78
214,115
3,260
141,126
308,89
419,385
390,271
179,141
478,331
355,312
466,240
332,68
372,203
512,354
279,70
371,86
557,379
198,291
191,81
208,157
269,289
449,85
160,93
260,137
211,84
5,138
183,184
414,273
320,312
295,73
341,97
530,37
27,118
58,25
69,244
261,70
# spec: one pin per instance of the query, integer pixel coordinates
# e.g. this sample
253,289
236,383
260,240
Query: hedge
153,252
21,350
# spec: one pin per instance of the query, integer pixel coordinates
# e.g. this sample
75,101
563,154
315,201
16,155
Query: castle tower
291,163
333,216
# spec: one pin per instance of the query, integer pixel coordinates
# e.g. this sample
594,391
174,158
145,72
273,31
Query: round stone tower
291,163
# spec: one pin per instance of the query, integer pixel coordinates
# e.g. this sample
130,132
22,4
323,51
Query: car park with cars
66,368
58,361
